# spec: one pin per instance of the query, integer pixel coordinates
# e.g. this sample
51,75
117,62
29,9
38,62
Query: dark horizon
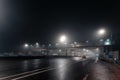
28,21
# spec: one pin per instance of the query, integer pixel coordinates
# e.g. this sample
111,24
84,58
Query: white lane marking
23,73
86,76
28,72
33,74
37,73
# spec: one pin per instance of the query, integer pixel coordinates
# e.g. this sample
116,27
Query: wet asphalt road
74,68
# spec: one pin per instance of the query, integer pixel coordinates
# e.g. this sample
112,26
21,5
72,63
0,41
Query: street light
49,45
37,45
84,49
107,42
26,49
63,39
97,49
101,32
26,45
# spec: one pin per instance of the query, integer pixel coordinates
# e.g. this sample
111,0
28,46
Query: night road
74,68
59,40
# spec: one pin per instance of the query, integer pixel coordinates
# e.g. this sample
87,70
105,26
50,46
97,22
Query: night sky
30,21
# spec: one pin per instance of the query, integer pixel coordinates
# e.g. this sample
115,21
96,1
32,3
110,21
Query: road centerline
19,74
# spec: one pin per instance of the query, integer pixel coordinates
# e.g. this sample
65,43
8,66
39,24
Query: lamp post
101,32
26,48
63,40
108,41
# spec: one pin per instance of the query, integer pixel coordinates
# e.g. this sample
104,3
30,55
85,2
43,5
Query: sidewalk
104,71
